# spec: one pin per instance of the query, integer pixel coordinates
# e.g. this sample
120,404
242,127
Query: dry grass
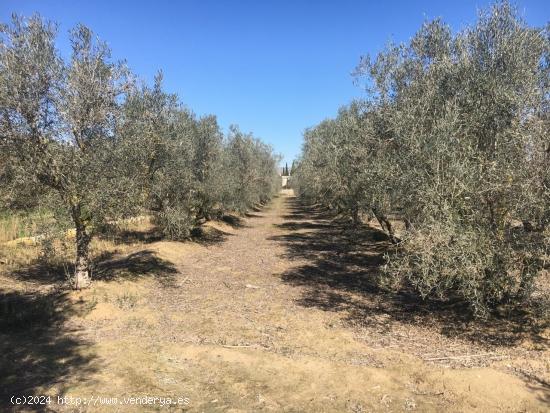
13,227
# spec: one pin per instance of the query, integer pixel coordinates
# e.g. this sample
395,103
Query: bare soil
275,312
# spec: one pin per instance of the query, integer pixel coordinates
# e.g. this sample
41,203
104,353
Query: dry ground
276,312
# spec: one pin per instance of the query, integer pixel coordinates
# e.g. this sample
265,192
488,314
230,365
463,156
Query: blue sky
272,67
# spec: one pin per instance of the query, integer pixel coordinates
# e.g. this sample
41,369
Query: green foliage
454,139
251,171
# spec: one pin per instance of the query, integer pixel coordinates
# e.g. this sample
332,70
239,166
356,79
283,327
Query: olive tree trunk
82,276
385,224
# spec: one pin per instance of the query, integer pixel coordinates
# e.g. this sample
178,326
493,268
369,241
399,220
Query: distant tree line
84,138
454,141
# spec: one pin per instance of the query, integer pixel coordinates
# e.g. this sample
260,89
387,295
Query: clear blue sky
272,67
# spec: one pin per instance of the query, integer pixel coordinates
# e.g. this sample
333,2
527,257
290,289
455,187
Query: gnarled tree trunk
82,276
356,219
386,225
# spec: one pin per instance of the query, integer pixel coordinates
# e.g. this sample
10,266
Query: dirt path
280,316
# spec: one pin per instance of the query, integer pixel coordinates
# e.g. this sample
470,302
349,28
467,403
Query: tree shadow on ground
337,266
207,236
128,233
252,215
38,350
537,385
234,221
43,272
107,266
134,266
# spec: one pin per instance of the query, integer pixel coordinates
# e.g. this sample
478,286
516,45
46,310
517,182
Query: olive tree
58,121
159,136
250,171
345,167
208,167
467,123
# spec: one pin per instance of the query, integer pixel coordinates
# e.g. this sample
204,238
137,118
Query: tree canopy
453,140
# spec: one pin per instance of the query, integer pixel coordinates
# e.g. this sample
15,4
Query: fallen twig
237,346
465,356
429,394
